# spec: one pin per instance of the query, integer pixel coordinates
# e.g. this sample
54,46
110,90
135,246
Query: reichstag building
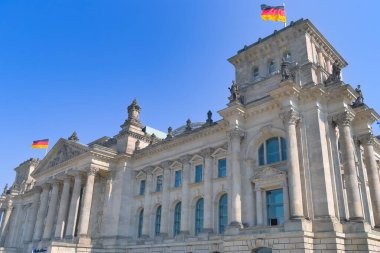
292,166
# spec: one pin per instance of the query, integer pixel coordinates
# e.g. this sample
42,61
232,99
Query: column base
234,228
183,235
356,219
84,239
356,226
299,224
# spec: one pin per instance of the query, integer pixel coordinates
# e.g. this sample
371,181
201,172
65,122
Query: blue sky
76,65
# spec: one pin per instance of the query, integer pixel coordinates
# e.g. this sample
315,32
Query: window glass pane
159,183
140,225
158,221
275,207
199,216
283,149
271,67
223,213
273,150
255,73
261,155
198,173
142,187
263,250
177,219
222,168
178,178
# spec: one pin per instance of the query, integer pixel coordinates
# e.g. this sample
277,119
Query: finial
152,139
73,137
209,120
133,115
188,125
170,133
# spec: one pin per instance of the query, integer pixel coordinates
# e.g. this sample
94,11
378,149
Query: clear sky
70,65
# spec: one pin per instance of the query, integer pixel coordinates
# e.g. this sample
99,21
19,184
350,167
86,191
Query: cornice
180,140
365,114
134,135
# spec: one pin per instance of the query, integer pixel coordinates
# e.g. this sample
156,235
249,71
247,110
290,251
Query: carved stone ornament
65,153
207,152
345,118
290,117
92,171
185,159
236,133
73,137
209,120
234,90
335,75
360,99
170,133
133,115
267,172
286,74
366,139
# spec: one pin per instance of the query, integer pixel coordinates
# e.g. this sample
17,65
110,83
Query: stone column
147,207
5,222
351,178
259,207
44,198
208,198
290,119
63,207
87,203
32,216
185,206
52,211
165,200
74,206
366,141
235,180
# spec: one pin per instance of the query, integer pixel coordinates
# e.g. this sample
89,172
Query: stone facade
289,130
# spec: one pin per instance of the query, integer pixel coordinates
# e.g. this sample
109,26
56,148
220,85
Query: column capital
236,133
92,171
344,118
290,117
366,139
165,165
185,159
207,152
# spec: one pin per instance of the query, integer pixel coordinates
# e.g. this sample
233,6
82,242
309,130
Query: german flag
274,13
40,143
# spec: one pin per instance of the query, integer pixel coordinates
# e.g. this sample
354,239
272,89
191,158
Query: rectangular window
273,150
178,178
275,207
159,183
198,173
222,168
142,187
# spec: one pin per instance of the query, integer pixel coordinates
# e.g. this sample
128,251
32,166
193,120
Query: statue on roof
335,75
170,133
188,125
235,95
360,99
5,188
73,137
285,70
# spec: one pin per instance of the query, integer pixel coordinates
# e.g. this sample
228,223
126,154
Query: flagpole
283,4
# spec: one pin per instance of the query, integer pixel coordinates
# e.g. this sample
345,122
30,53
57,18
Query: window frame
219,168
159,183
255,73
262,151
177,219
157,223
199,216
176,172
140,223
270,206
198,173
272,67
222,216
142,187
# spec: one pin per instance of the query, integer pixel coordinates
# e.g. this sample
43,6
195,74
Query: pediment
62,151
268,172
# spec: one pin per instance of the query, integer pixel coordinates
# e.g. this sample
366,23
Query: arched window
271,67
255,73
177,219
140,225
199,216
272,150
223,213
157,226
